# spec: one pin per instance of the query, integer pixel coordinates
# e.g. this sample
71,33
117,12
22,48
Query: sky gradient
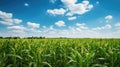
60,18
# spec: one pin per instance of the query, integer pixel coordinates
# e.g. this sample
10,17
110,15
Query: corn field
60,52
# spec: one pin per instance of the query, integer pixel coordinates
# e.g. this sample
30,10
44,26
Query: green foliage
60,52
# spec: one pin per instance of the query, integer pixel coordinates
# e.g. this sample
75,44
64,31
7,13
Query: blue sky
60,18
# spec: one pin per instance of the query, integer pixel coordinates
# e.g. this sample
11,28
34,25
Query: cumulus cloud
16,30
4,15
33,25
77,8
107,26
108,17
17,21
16,27
72,18
17,33
69,2
80,30
26,4
60,11
6,23
72,8
81,26
72,33
77,32
33,30
60,23
51,27
117,24
7,19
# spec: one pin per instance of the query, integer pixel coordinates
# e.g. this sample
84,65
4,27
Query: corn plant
56,52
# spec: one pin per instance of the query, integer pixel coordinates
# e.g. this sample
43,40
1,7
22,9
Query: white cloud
60,11
6,23
4,15
33,30
76,32
97,28
69,2
108,17
17,33
79,8
107,26
17,21
72,8
53,1
117,24
18,30
78,29
60,23
16,27
33,25
81,26
51,27
26,4
72,18
72,31
7,19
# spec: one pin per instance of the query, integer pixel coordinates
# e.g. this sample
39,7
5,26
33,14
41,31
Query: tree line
23,37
